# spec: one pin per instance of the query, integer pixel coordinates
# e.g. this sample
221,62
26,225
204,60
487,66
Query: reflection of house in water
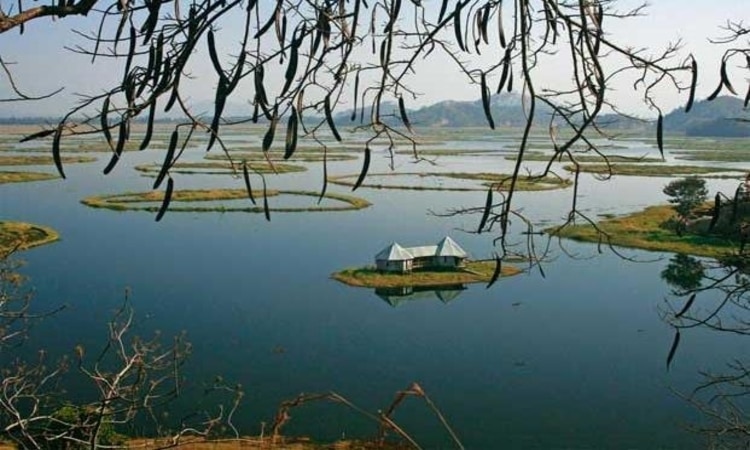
446,254
394,296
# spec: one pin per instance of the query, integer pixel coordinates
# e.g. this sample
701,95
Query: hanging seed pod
363,171
246,176
693,83
329,117
167,199
291,134
487,209
496,272
402,112
486,99
168,159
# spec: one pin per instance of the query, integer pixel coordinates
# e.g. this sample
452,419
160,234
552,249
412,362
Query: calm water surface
574,359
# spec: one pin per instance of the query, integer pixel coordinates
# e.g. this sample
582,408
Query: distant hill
711,118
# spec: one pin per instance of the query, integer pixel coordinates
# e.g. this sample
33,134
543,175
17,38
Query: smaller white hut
445,254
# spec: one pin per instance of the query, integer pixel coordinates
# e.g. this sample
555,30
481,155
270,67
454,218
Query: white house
446,254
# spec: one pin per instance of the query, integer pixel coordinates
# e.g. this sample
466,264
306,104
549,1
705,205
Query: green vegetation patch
23,177
654,170
498,180
278,156
475,272
22,236
189,200
588,158
38,160
717,155
220,168
644,230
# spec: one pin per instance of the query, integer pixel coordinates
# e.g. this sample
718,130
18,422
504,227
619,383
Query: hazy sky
44,65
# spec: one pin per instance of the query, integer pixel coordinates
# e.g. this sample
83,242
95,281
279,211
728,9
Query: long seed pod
673,349
686,307
356,95
213,55
260,91
104,122
325,175
266,209
268,138
443,9
56,150
291,68
500,28
167,199
660,134
747,97
486,105
457,26
509,86
365,168
693,83
404,117
487,209
121,138
329,117
392,16
735,203
504,73
715,212
496,272
725,78
149,125
246,176
131,53
168,157
291,134
219,103
268,23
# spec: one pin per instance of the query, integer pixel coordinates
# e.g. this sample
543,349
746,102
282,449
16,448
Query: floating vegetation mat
22,235
207,200
498,180
23,177
220,168
475,272
277,156
589,158
38,160
655,170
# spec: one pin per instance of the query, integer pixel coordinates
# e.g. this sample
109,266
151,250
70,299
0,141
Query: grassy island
41,160
25,177
220,168
22,236
486,179
656,170
644,230
199,200
475,272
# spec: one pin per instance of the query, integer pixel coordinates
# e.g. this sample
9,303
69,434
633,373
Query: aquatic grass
474,272
497,180
37,160
21,236
220,168
25,177
655,170
644,230
188,200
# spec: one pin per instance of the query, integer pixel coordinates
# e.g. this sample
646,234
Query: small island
21,236
443,264
689,225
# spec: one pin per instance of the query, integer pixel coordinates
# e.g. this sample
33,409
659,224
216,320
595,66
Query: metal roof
446,247
393,252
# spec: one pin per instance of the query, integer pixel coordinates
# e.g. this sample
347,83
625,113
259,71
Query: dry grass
188,200
22,236
653,170
25,177
498,180
478,272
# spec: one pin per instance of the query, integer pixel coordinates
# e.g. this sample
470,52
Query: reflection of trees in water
715,296
683,273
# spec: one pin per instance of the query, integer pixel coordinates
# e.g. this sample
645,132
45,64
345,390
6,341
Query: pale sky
44,65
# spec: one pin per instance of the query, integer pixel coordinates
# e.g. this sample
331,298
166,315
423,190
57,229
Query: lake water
572,359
